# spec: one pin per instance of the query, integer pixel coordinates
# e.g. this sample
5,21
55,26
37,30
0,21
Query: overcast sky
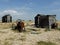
28,9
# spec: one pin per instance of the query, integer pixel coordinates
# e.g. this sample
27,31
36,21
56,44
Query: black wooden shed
7,18
45,21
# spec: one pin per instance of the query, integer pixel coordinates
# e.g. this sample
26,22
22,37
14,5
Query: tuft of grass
58,28
11,39
5,25
47,29
2,32
7,43
45,43
22,38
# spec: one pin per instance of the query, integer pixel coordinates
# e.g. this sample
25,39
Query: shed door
8,18
50,21
38,20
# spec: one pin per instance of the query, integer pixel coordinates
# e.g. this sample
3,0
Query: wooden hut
7,18
45,21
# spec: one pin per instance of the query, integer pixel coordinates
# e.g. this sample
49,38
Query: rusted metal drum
20,25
